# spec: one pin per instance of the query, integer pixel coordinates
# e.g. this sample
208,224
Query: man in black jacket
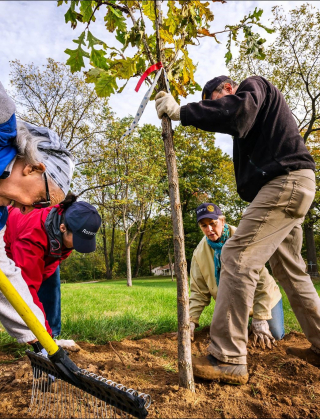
275,172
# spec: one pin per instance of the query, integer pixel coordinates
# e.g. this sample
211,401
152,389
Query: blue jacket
8,133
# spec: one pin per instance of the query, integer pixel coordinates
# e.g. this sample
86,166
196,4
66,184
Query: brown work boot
307,354
210,368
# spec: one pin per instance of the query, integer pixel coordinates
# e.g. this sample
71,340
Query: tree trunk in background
138,255
128,259
111,254
105,250
311,250
170,265
184,342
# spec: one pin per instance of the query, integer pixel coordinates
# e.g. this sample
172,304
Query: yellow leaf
185,75
132,3
166,36
148,9
189,64
180,89
178,44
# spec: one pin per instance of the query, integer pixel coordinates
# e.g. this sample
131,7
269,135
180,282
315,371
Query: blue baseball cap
84,221
208,210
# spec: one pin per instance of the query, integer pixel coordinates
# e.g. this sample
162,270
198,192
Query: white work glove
69,345
165,103
192,327
261,334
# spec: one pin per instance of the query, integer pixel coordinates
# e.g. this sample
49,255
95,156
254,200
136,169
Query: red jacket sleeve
28,255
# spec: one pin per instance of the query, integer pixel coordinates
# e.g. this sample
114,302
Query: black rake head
59,366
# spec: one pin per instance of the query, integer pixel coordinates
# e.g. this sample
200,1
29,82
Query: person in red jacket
39,241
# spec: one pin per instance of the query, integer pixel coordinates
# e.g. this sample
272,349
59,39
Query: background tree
292,64
52,97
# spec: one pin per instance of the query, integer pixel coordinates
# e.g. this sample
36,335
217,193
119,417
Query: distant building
163,270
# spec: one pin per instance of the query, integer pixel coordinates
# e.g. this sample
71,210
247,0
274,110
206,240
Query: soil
279,386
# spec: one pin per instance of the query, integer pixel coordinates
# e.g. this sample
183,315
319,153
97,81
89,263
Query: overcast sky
32,31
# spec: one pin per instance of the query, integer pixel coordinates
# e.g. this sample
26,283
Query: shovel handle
27,315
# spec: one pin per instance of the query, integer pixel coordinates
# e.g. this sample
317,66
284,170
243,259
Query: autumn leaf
148,9
205,32
166,36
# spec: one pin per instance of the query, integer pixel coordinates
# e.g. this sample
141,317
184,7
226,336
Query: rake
60,389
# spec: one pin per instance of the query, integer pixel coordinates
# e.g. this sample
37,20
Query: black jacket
266,140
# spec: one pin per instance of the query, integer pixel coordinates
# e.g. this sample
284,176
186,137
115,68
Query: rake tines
75,393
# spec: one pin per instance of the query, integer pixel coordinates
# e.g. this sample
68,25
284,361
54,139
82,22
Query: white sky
32,31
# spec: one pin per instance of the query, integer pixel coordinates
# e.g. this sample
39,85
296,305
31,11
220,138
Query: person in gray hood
35,172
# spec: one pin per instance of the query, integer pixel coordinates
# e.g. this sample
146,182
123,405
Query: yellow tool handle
27,315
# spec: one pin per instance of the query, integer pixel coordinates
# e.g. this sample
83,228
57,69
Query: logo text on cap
88,232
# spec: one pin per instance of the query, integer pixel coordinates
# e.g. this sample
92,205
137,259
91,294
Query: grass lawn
109,310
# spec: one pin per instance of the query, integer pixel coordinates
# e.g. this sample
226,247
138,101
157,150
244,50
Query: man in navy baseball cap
211,86
84,222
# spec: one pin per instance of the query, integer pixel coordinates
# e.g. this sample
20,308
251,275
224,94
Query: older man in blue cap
275,173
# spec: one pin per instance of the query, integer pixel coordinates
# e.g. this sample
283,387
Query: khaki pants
270,229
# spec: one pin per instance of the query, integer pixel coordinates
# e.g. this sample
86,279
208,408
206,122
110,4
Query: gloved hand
261,334
70,345
192,327
165,103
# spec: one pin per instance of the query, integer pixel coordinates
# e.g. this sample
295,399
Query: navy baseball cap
84,222
211,86
208,210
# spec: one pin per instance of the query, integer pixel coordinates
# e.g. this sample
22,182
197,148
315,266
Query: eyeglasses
47,203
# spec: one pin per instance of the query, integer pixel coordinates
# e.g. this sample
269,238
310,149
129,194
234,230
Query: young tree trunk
311,250
184,343
128,259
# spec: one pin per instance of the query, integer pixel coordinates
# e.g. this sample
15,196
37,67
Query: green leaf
121,37
122,87
86,10
148,9
114,19
75,61
93,74
97,58
72,16
92,40
125,68
105,85
268,30
76,55
256,14
80,40
228,57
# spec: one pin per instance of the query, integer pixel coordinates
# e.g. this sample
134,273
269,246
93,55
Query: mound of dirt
279,386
